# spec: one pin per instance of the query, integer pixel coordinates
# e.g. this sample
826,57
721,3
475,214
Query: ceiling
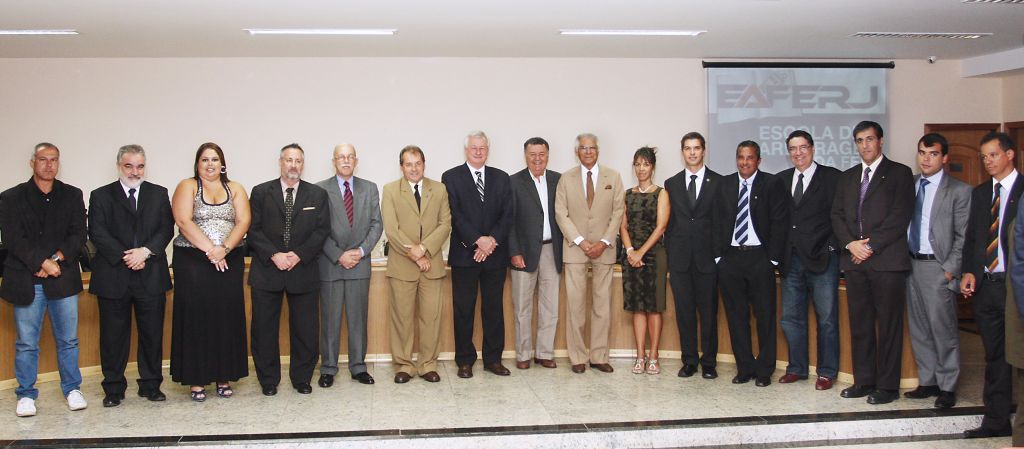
762,29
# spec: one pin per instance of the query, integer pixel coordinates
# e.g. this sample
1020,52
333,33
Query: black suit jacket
888,207
767,209
688,238
810,223
32,237
976,240
113,227
472,219
527,230
310,226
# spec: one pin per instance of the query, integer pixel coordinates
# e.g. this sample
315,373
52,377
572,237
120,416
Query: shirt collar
284,187
873,166
699,173
1006,182
935,178
810,170
126,188
750,180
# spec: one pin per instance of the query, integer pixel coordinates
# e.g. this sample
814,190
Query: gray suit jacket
948,224
363,233
527,231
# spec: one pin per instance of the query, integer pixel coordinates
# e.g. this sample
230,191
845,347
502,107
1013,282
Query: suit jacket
405,224
31,237
767,209
948,224
1015,298
810,234
976,239
888,208
364,232
311,223
688,235
527,231
600,221
114,228
472,218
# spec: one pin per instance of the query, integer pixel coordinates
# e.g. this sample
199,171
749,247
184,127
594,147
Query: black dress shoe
303,388
742,378
269,390
401,378
878,397
946,399
154,395
709,372
687,370
763,381
857,391
922,392
364,378
985,432
112,400
325,380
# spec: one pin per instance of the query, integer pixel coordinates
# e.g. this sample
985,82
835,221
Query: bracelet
628,249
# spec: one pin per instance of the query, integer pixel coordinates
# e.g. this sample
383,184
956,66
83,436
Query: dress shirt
752,239
1005,184
126,194
594,176
874,169
926,211
808,174
699,180
285,187
483,174
541,183
351,184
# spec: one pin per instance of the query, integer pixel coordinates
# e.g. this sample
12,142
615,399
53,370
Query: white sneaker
26,407
76,401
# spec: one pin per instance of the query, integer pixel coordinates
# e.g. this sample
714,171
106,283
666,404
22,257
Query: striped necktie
743,211
348,203
480,185
992,250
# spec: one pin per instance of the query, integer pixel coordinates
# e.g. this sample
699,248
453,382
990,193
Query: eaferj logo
800,96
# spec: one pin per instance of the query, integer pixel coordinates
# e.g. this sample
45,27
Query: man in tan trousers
588,209
417,222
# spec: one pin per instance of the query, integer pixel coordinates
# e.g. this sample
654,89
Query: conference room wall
1013,98
254,106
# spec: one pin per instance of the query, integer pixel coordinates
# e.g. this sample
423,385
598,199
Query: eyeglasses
801,148
349,157
586,149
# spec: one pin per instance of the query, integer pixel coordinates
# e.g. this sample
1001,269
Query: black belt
994,277
919,256
746,247
545,242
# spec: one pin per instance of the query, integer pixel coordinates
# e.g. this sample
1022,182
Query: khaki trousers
576,309
415,310
545,282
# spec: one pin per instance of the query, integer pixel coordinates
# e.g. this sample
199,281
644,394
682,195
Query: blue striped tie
743,210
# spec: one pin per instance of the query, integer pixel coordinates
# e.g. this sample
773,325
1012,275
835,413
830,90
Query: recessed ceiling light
921,35
324,31
37,32
632,32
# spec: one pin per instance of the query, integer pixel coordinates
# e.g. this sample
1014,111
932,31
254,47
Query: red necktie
348,203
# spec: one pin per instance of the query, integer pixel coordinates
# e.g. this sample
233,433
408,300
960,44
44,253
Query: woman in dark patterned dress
643,274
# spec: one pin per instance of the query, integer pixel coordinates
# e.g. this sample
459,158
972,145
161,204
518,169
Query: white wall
1013,99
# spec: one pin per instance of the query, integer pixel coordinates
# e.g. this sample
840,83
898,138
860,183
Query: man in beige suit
417,222
588,209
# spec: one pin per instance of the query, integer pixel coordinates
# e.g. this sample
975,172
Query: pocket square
309,208
608,187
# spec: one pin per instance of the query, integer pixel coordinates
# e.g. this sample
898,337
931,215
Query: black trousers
304,331
491,283
695,294
748,283
116,338
989,303
877,299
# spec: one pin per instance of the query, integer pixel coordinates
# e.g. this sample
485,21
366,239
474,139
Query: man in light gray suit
936,240
345,266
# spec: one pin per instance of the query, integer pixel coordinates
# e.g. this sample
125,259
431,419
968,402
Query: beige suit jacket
600,221
404,224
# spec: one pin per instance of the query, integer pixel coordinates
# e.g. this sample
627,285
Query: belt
545,242
919,256
746,247
994,277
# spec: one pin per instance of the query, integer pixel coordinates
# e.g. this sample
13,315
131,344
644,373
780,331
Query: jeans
823,287
28,321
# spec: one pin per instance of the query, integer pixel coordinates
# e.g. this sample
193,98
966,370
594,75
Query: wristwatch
55,258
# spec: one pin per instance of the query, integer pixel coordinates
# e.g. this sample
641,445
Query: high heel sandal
653,367
225,391
638,368
198,395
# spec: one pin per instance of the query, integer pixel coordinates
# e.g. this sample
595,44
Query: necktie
416,193
480,185
590,189
798,192
135,208
915,225
860,203
691,190
742,211
992,251
348,203
289,205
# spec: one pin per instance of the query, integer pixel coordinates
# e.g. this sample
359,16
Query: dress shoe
922,392
364,378
465,371
112,400
497,368
401,378
789,378
708,372
985,432
823,383
742,378
269,390
154,395
325,380
303,388
857,391
522,364
878,397
602,367
687,370
946,399
763,381
431,377
579,369
547,363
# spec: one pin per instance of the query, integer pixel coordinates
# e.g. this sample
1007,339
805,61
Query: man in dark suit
479,197
749,235
130,224
290,220
534,242
43,226
993,208
873,205
810,263
691,259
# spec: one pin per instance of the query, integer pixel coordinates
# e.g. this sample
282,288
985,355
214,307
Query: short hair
291,146
692,135
475,133
1005,141
800,133
930,139
43,145
220,154
585,136
647,153
536,141
133,149
411,149
749,144
866,124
